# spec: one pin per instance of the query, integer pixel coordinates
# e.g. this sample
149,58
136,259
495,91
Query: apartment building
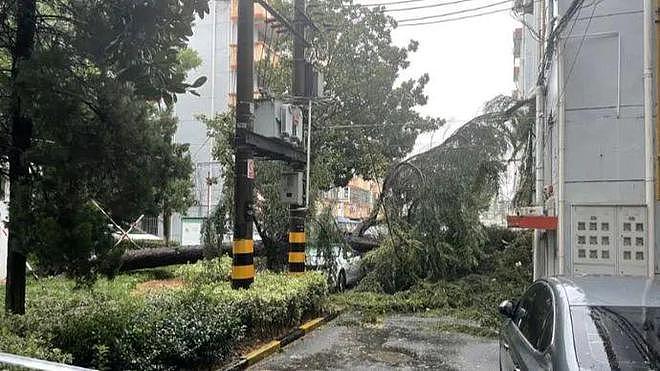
352,203
214,39
595,133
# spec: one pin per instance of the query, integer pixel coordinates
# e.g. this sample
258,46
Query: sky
469,61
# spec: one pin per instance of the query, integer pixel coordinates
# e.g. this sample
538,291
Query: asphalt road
401,342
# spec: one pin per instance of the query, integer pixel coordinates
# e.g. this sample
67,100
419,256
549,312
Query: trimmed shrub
111,325
206,271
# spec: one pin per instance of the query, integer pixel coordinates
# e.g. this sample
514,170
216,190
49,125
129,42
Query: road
402,342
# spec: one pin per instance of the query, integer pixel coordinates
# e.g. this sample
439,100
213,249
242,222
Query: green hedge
114,326
206,271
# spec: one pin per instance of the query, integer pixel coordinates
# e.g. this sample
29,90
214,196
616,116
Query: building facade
593,139
353,203
214,39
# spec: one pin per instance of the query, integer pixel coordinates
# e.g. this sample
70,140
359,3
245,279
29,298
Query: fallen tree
164,256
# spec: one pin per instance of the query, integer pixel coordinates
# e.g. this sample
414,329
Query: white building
593,134
214,39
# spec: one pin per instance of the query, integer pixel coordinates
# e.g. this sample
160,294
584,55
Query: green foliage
206,271
114,324
95,87
72,237
503,272
432,201
362,68
213,230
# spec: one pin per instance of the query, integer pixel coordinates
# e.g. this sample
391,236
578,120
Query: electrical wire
579,49
455,19
393,3
425,6
455,12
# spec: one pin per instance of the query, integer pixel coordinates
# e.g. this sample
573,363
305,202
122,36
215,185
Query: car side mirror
506,308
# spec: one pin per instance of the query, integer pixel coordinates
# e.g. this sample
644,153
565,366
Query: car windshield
617,338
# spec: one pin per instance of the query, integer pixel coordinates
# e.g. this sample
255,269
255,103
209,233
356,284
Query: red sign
532,222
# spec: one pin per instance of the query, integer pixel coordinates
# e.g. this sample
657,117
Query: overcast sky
469,61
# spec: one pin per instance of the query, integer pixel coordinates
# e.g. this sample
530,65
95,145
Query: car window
616,338
534,316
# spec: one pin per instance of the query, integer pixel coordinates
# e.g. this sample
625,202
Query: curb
275,345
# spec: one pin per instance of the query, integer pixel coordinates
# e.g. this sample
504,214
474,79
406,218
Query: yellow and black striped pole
242,271
297,241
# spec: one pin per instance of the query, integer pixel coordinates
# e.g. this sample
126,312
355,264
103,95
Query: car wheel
341,282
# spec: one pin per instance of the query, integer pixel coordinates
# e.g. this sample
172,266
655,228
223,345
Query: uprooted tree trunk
164,256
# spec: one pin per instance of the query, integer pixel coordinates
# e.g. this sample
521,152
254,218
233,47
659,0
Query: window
605,227
535,316
609,338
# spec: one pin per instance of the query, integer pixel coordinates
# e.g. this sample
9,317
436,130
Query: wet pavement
401,342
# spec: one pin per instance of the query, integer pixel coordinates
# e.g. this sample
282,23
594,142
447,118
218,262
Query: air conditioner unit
267,121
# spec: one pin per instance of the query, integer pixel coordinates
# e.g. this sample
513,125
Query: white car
345,270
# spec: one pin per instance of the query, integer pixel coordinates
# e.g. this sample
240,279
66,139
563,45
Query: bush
111,325
206,271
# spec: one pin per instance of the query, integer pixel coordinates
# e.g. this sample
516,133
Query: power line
426,6
393,3
456,18
455,12
579,49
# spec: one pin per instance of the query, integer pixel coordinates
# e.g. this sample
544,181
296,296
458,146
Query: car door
528,335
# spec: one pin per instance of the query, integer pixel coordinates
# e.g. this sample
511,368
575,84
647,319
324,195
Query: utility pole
242,274
297,238
19,183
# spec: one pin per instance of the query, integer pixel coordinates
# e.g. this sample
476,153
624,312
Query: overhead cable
455,18
393,3
455,12
426,6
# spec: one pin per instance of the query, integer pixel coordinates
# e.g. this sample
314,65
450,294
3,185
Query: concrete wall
600,65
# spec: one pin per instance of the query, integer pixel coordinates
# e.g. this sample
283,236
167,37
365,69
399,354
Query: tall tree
86,81
20,140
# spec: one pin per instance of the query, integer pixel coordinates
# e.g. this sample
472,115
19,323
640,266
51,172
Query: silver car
345,268
583,323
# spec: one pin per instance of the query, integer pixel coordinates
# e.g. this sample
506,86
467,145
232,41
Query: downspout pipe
539,133
539,199
649,130
561,149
